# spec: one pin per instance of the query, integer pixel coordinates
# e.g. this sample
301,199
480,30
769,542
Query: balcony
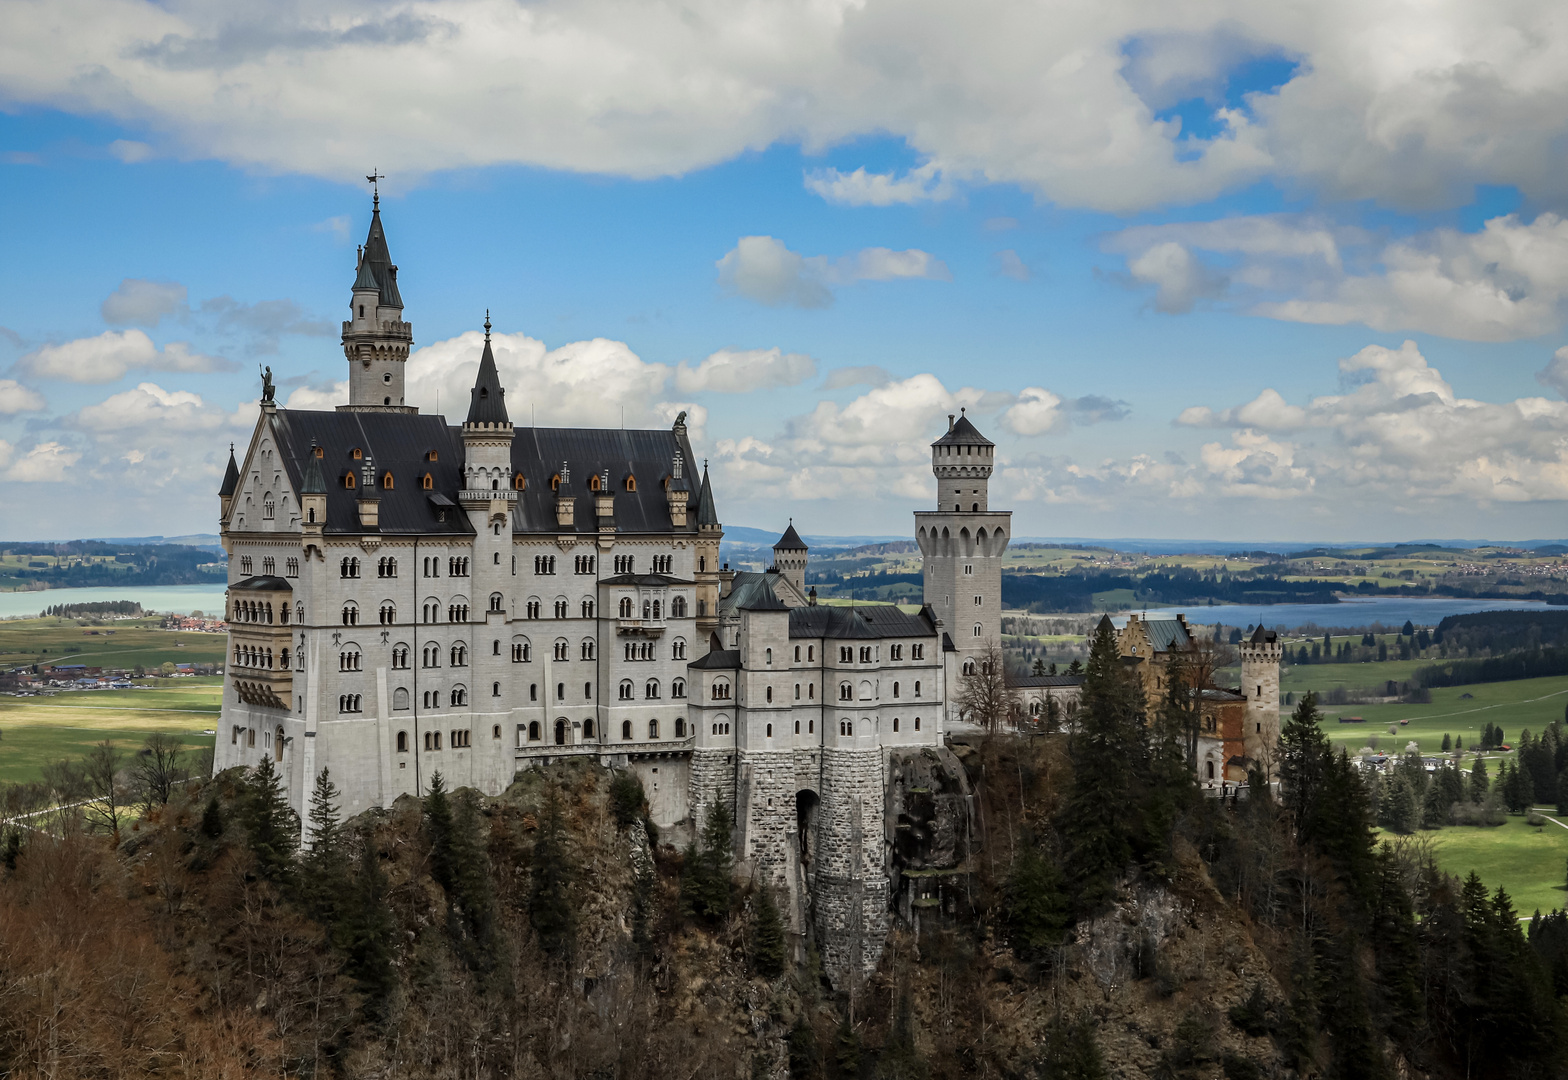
486,495
640,627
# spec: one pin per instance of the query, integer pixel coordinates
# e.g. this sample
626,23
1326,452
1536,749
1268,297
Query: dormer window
386,480
631,482
555,482
430,455
518,483
357,454
426,482
593,482
319,451
348,479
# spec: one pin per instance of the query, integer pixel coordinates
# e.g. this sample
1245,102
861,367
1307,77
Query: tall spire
376,339
487,399
231,476
379,256
707,514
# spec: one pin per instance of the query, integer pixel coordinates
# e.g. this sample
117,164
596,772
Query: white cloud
1409,105
860,188
763,269
142,303
16,398
1037,412
129,151
1180,279
1507,281
112,354
738,371
1008,264
1268,410
1555,374
321,398
597,383
864,375
45,463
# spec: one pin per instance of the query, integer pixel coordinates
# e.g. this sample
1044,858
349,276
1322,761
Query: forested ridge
1114,923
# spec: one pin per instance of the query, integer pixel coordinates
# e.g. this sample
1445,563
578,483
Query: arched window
811,691
895,691
459,696
518,483
495,689
678,649
426,482
627,689
768,656
496,601
348,479
626,729
680,727
402,742
522,652
846,692
721,690
562,649
917,688
386,480
653,729
768,694
587,608
560,609
560,731
588,728
895,723
626,607
647,609
350,614
651,689
677,688
587,649
917,723
533,731
678,607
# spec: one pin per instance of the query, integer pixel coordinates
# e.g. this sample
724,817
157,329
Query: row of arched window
252,656
255,611
386,567
350,703
651,689
349,661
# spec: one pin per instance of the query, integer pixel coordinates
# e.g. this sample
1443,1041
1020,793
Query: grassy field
115,644
1529,863
1455,710
34,731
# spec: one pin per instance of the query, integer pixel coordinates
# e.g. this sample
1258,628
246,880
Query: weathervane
375,188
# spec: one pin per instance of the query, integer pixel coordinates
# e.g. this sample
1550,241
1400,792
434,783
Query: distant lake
1390,611
179,599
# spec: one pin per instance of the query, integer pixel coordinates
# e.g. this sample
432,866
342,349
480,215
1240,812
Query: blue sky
1206,272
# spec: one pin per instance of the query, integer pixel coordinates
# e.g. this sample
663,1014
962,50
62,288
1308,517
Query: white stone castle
409,597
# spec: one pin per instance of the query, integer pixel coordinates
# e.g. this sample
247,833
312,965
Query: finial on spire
374,180
487,324
962,409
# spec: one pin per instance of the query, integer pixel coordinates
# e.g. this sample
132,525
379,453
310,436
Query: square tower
962,542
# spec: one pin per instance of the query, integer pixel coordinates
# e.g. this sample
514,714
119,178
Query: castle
409,597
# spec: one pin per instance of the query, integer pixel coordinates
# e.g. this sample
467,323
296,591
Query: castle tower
376,340
789,557
962,542
488,494
709,533
1260,660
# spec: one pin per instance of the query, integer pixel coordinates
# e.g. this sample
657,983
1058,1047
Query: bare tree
983,696
105,791
158,768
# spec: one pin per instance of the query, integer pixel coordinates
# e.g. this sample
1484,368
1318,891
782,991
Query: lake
180,599
1390,611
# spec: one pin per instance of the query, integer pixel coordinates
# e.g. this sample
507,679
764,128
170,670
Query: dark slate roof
266,583
231,476
1213,694
487,399
400,442
763,600
718,658
1164,634
379,259
865,623
706,512
397,443
1261,636
963,433
791,540
1047,682
649,456
652,580
746,587
366,279
313,484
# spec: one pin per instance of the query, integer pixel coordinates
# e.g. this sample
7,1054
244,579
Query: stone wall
850,880
711,771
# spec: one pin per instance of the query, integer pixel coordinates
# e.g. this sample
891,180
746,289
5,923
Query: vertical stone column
850,886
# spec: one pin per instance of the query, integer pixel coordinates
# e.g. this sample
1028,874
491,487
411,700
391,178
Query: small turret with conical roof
710,581
789,557
231,483
376,340
487,435
487,399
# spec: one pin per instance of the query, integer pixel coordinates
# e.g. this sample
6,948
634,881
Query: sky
1216,269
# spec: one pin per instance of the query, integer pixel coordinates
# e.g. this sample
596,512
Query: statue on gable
267,389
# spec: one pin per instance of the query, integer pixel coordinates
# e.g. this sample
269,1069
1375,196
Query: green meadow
1528,862
1455,710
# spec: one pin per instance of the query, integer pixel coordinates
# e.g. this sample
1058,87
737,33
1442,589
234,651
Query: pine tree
1039,666
471,902
324,869
705,882
367,931
1479,785
212,819
550,908
438,832
269,823
1304,752
1071,1054
1036,908
1448,742
1109,754
768,953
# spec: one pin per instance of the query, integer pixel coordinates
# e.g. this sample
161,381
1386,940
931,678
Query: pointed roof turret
367,276
487,400
379,259
231,476
791,540
314,484
962,433
706,512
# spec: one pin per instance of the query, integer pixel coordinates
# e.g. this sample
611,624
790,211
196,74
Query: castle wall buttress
850,884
